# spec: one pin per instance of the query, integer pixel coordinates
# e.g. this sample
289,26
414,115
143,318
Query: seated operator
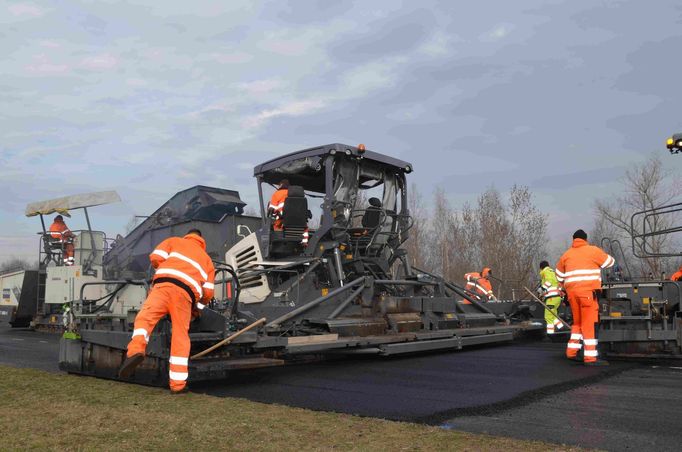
61,233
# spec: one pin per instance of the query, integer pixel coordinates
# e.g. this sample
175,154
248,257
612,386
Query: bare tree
508,236
416,244
646,186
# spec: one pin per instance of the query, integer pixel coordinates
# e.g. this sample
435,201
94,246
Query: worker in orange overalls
677,276
184,280
276,205
579,270
479,284
60,231
276,209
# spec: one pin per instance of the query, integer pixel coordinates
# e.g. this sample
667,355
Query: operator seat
295,215
53,248
362,238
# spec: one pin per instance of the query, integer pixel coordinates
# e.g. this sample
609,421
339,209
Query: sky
149,98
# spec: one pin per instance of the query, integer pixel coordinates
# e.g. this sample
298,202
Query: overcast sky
149,98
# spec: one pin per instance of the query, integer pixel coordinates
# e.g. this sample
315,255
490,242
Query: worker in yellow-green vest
551,297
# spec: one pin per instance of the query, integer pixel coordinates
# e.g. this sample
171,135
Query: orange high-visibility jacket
478,283
184,260
580,267
677,276
60,229
276,207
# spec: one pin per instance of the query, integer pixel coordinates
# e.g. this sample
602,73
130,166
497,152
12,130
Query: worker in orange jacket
184,280
61,232
479,283
579,270
276,205
677,276
276,209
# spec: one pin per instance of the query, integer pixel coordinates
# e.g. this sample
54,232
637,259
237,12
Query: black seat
295,211
295,215
53,249
372,217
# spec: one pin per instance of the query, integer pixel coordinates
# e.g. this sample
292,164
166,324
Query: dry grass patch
65,412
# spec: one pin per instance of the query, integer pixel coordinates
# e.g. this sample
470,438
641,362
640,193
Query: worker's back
580,266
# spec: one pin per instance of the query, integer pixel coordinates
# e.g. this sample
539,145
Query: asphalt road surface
524,390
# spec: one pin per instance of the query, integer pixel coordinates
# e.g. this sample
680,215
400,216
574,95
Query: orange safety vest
677,276
479,284
579,269
276,207
59,230
183,261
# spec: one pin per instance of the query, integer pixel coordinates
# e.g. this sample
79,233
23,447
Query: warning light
361,148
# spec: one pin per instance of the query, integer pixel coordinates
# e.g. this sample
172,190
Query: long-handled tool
547,307
229,339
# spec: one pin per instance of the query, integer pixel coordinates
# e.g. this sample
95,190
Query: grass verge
65,412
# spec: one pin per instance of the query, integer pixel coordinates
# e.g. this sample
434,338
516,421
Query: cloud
498,32
99,62
26,10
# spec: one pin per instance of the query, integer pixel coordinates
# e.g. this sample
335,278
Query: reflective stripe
193,263
576,346
558,273
593,353
208,285
179,360
200,306
161,253
177,376
552,294
576,337
591,271
179,274
548,285
590,341
141,332
583,278
279,206
608,262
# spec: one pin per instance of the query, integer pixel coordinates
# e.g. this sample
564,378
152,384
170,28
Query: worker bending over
59,231
479,283
184,280
579,270
551,295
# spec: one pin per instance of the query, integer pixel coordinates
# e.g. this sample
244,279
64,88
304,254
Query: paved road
636,410
524,390
22,347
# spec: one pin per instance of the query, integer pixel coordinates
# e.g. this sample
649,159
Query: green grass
42,411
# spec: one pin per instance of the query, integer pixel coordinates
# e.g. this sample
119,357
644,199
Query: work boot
129,365
597,363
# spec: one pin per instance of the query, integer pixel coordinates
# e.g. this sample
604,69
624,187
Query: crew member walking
579,270
184,280
551,296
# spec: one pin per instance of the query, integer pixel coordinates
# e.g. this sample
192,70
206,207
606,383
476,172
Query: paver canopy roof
66,203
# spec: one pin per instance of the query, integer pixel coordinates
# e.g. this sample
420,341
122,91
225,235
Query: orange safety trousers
585,315
166,298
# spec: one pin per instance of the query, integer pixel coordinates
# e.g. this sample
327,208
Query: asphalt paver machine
642,317
279,300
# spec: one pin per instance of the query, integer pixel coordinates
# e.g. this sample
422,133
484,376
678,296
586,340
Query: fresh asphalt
524,390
